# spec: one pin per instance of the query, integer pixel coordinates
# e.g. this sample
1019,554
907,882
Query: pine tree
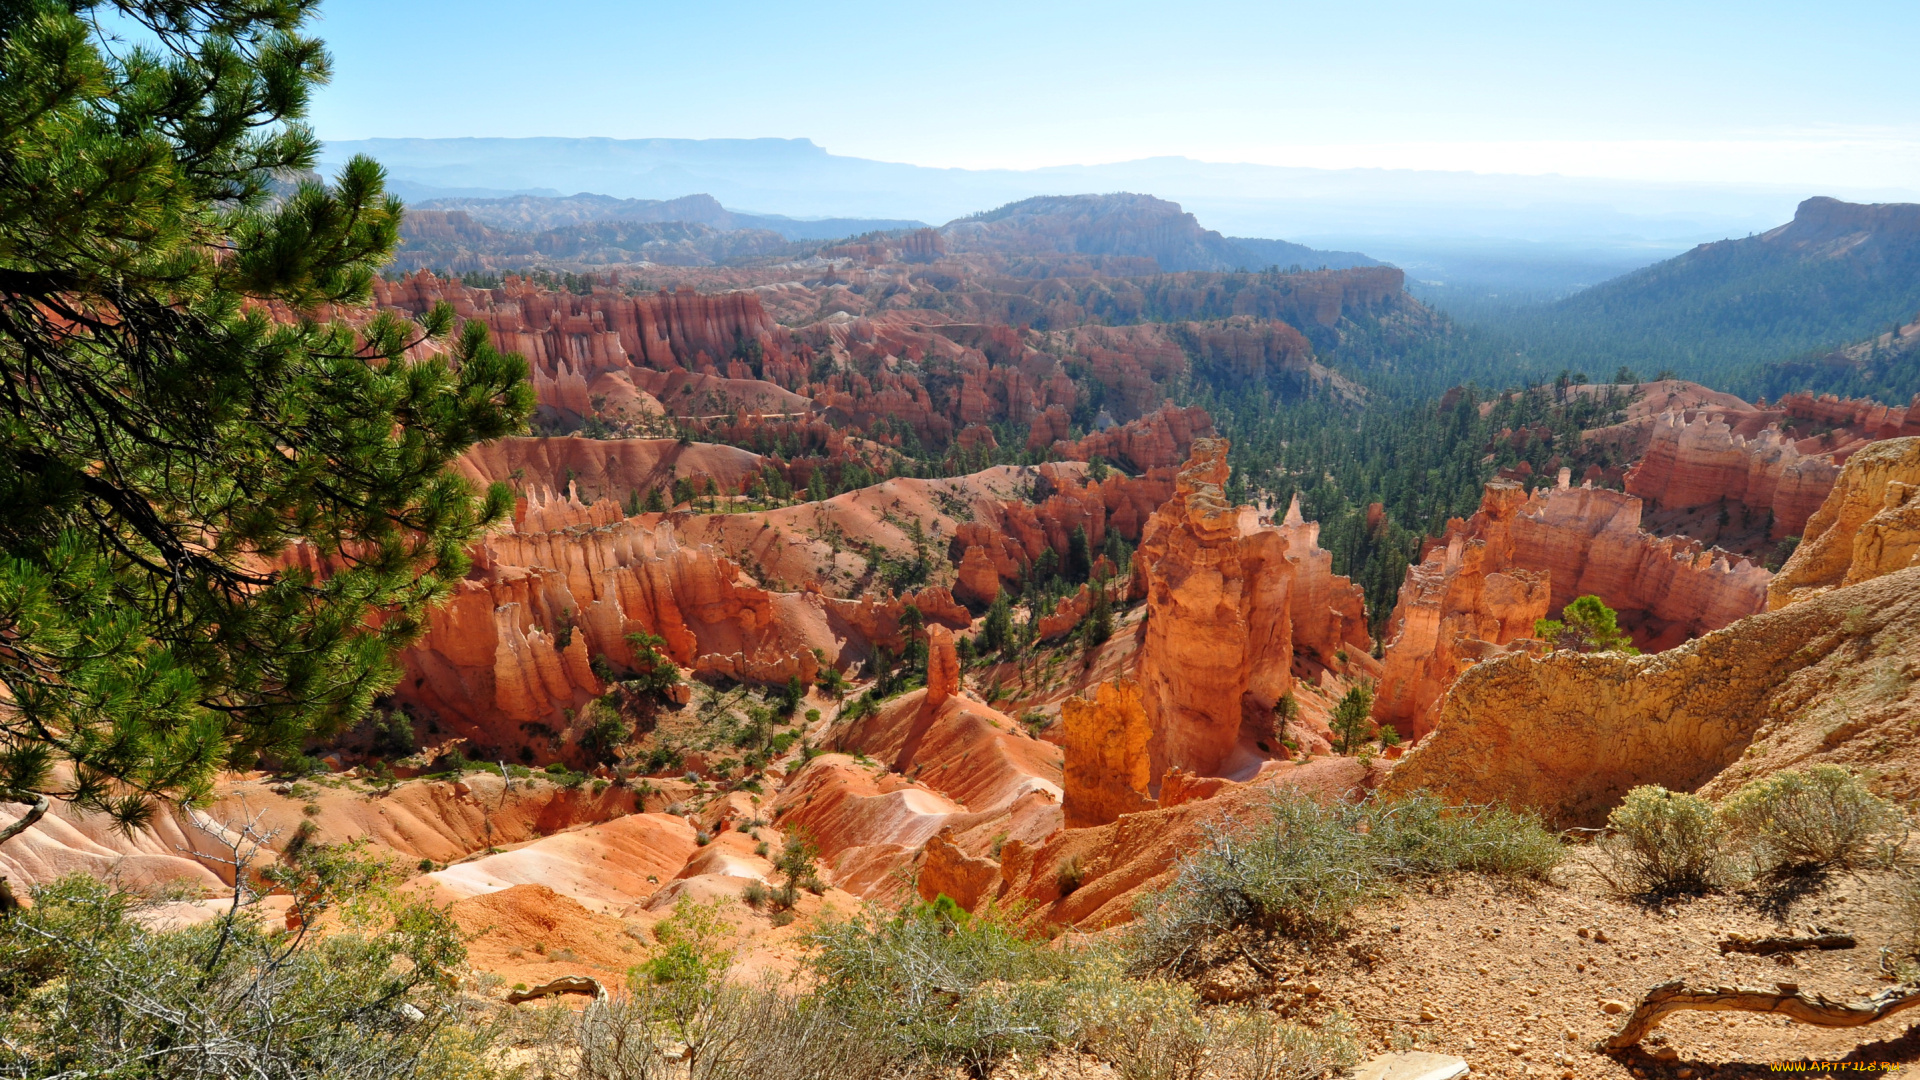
1586,625
165,440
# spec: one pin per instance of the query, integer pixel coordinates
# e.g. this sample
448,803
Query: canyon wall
509,660
571,340
1523,557
1823,676
1868,526
1705,461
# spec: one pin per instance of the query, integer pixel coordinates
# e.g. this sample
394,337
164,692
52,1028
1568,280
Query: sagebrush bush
1664,842
1821,817
1302,869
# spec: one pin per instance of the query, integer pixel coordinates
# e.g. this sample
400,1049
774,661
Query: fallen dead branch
1767,946
1787,1000
565,984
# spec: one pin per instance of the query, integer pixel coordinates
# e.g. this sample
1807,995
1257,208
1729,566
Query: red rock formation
1871,419
943,666
571,340
1522,557
1229,604
1460,604
511,653
979,580
1109,768
1160,439
1668,589
1704,461
607,468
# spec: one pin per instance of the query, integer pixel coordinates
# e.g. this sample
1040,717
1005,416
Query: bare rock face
1160,439
1569,733
1705,461
978,579
1868,526
1462,603
1229,603
513,650
1108,765
951,872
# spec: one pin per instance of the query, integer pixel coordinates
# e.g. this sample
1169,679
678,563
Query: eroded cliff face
1460,605
1230,603
1868,526
1704,461
633,350
1570,733
1828,674
1523,557
510,656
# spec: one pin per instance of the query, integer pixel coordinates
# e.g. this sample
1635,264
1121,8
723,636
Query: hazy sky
1792,94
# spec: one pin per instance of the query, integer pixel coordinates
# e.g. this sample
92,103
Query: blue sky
1771,93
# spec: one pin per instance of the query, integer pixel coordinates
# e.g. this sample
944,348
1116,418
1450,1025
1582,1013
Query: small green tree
654,671
996,634
655,504
1586,625
1352,720
607,731
1098,626
798,862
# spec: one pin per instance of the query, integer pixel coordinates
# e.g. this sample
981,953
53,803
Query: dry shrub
1819,818
1663,843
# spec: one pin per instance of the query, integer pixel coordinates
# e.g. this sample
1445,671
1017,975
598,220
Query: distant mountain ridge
523,231
537,213
1127,224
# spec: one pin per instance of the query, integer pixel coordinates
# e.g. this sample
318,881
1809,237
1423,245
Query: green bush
1664,843
1818,818
89,988
1301,870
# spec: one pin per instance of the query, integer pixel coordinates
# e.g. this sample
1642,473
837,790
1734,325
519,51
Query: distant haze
1526,237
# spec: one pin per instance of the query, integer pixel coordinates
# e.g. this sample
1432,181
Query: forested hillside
1837,274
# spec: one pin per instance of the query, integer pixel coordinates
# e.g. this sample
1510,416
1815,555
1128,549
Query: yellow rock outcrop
1869,525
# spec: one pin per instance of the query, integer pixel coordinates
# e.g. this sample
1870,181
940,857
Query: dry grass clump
1302,869
1663,843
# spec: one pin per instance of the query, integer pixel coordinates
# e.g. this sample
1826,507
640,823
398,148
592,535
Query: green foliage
798,864
831,681
996,633
607,731
163,439
87,986
1097,628
1664,842
1586,625
1352,719
1821,817
1302,868
654,671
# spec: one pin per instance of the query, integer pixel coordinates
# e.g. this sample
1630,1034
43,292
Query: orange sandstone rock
943,665
1230,602
948,871
1109,766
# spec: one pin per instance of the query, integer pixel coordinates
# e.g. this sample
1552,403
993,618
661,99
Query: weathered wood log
1766,946
565,984
1786,1000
